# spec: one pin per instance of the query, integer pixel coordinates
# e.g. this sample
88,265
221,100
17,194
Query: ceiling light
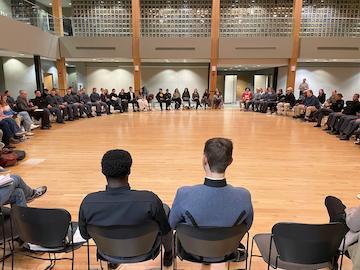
316,60
70,4
50,4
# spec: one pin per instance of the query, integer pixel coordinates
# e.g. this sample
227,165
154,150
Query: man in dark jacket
22,104
95,99
53,106
160,97
336,106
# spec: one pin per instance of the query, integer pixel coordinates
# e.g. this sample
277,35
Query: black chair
51,229
7,238
300,246
209,244
125,243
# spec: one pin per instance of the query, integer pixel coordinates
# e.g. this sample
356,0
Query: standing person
186,96
217,100
167,99
160,97
96,100
177,99
304,86
322,96
54,107
206,98
22,104
196,98
246,97
133,207
145,91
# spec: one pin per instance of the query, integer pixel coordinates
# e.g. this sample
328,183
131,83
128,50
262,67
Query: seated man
22,104
217,101
288,102
255,98
77,110
68,109
19,193
214,203
350,217
160,97
120,205
124,100
350,129
310,105
115,101
133,100
85,99
336,106
338,121
96,100
54,107
270,101
82,107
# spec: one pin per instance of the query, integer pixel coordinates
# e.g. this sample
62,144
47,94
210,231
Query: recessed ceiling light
70,4
50,4
21,54
316,59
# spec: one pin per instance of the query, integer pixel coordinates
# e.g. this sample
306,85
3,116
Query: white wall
230,88
344,79
5,8
109,77
19,74
282,77
175,77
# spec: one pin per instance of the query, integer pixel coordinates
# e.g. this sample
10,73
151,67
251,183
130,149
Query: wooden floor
288,166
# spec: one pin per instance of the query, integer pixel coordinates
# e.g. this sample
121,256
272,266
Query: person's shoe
113,266
3,170
33,126
335,132
29,134
61,122
357,142
109,113
38,192
45,127
71,119
20,134
327,129
168,259
14,141
344,138
317,125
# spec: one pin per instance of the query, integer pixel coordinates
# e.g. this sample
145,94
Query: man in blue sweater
214,203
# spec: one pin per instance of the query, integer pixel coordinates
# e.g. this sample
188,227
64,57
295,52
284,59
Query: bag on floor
20,154
8,159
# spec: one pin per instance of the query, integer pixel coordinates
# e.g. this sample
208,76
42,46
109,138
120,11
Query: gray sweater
353,222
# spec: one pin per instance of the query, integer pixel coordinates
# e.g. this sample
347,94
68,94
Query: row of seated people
211,204
343,117
216,102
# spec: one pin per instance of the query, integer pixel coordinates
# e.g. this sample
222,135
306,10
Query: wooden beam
135,7
62,75
57,14
297,9
215,29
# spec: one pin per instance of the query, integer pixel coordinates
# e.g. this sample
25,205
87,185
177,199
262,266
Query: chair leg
228,264
161,257
251,253
88,254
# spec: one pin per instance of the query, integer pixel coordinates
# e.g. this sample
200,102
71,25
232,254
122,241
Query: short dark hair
116,163
218,152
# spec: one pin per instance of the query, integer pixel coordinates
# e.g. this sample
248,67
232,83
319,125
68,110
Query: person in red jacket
246,98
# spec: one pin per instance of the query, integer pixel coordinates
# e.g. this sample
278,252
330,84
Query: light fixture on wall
293,68
136,68
213,68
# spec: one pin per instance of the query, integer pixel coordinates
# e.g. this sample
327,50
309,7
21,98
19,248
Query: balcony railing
256,27
330,27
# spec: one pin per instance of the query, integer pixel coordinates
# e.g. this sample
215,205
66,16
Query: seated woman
246,98
217,100
350,217
196,98
322,96
23,117
186,96
177,99
205,100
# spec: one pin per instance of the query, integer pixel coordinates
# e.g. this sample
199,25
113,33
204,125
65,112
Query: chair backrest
307,243
211,242
125,240
44,227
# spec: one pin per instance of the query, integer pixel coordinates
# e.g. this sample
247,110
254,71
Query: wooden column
297,8
59,30
215,29
135,7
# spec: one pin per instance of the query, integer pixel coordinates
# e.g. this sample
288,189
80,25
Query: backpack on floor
8,159
20,154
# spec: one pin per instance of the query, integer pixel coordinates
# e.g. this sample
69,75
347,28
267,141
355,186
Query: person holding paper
14,190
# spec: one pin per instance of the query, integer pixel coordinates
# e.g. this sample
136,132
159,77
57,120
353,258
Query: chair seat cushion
263,243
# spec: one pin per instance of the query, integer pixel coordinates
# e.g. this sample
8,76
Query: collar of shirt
119,189
215,182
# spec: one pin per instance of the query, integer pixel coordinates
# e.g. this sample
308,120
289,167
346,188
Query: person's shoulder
91,197
240,190
182,191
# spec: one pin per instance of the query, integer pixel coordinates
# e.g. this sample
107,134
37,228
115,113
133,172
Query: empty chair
126,243
209,244
46,230
300,246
